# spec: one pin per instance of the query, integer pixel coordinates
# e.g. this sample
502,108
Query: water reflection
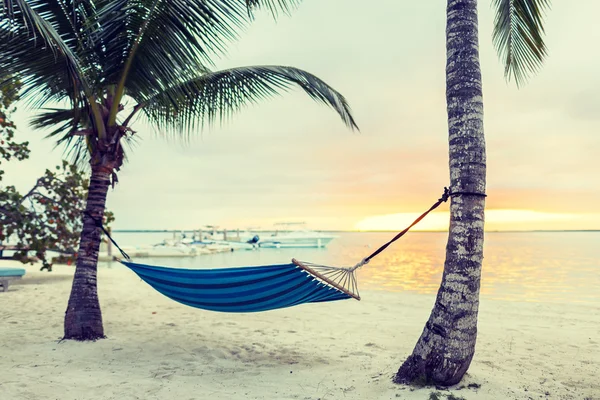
549,267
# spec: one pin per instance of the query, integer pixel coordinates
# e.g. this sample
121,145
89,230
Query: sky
291,159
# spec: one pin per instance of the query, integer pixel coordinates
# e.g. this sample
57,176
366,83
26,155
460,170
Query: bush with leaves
9,149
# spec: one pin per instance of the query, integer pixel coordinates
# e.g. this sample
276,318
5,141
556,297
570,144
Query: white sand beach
159,349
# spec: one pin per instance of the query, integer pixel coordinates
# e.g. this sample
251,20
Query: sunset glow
499,219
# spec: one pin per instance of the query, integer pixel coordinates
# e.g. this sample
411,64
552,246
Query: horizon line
348,231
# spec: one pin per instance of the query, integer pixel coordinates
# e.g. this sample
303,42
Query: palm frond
34,19
518,36
160,41
44,74
164,40
64,124
274,6
215,96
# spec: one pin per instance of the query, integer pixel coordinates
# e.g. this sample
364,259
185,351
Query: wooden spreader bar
324,278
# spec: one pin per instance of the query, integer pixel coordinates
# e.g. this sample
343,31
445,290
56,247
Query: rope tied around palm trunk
99,224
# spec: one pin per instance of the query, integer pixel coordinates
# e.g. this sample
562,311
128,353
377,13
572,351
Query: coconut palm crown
154,54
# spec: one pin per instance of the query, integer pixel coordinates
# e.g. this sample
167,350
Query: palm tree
97,56
446,347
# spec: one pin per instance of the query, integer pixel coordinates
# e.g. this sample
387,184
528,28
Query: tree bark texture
83,319
446,347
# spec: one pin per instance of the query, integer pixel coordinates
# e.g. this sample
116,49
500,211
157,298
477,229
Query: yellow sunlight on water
496,219
523,266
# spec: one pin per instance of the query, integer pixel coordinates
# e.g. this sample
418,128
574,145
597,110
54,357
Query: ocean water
561,267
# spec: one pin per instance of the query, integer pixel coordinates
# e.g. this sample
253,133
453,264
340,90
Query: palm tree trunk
446,347
83,319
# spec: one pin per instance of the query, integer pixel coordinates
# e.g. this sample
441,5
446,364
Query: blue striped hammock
251,289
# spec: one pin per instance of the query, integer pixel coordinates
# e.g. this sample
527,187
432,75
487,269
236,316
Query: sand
159,349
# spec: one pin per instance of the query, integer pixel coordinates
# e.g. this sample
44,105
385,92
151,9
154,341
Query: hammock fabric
248,289
262,288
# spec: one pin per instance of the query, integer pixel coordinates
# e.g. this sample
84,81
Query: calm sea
528,266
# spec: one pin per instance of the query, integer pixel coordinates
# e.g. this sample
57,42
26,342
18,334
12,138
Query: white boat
297,238
217,242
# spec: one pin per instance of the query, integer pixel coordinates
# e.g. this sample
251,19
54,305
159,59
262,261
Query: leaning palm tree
446,347
110,61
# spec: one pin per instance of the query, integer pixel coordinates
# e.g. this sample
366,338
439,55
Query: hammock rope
344,279
261,288
99,224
